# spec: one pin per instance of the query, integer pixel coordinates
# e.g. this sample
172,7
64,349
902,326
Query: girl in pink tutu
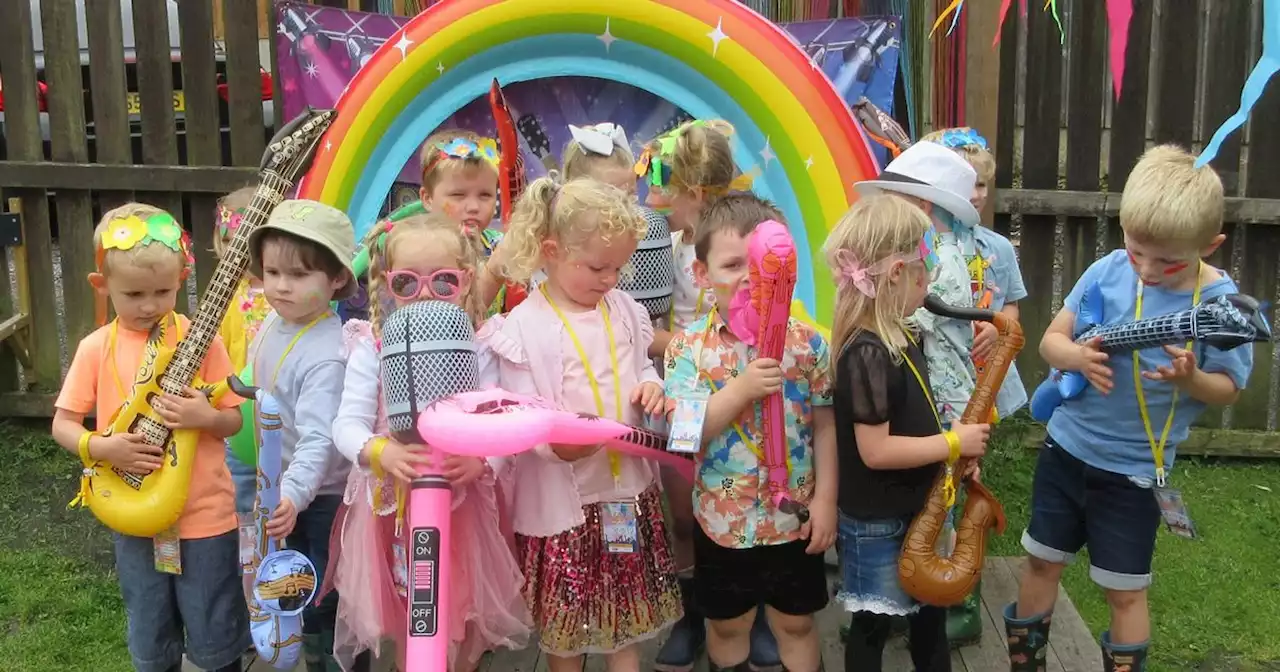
588,522
422,257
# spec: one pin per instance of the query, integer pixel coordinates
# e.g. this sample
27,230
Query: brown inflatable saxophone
925,576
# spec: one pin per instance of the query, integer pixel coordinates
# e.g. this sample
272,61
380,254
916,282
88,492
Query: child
686,169
601,152
1095,475
890,436
143,259
996,282
747,552
422,257
582,345
303,254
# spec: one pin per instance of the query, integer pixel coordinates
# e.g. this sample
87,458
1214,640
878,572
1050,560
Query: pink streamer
1004,12
1119,14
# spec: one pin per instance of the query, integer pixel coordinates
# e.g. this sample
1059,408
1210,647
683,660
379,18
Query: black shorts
729,582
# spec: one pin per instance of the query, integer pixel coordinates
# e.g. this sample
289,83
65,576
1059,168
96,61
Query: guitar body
144,506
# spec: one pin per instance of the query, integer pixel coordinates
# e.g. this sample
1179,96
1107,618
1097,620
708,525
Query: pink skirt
368,567
585,599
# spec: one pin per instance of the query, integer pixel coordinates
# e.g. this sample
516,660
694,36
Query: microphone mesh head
653,267
428,353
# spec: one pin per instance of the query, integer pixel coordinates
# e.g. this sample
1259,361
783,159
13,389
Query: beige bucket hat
322,224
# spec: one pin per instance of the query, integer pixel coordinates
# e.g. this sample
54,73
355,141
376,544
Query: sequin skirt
585,599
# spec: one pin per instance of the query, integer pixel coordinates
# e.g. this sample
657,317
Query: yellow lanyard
924,386
1157,447
737,427
697,310
615,464
111,352
287,349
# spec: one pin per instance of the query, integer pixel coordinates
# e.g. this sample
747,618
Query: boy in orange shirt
143,262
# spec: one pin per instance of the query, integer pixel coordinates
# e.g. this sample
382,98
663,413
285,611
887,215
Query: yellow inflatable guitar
144,506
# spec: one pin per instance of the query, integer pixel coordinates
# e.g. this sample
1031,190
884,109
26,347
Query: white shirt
688,301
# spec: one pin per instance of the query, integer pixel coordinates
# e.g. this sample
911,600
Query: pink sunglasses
444,284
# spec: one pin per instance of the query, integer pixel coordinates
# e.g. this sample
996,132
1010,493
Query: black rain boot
687,637
1028,640
1123,657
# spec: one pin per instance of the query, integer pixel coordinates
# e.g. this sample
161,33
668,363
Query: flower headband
600,139
962,137
461,148
126,233
657,165
861,277
228,221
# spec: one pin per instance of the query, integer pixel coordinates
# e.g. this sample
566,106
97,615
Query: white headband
600,138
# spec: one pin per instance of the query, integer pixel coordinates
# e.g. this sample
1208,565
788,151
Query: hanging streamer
1057,19
953,7
1004,12
1119,14
1267,66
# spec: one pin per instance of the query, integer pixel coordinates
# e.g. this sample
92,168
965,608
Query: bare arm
826,462
723,408
881,451
67,428
1057,347
1214,389
1011,310
226,422
661,338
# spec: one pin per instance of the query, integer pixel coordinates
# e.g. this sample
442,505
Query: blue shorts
1074,505
200,612
245,478
869,550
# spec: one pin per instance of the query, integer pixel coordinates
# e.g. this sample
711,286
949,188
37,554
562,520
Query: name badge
248,542
168,551
1174,512
619,522
687,421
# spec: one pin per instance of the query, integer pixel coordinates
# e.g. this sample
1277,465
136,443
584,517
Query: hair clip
601,138
228,221
962,137
461,148
125,233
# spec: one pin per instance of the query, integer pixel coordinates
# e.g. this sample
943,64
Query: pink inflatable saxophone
758,316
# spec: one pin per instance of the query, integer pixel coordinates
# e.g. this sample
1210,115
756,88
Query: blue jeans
869,551
245,478
311,538
200,612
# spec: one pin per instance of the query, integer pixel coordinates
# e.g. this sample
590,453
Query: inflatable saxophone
925,575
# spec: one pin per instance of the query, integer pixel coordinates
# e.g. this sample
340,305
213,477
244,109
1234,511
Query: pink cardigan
542,490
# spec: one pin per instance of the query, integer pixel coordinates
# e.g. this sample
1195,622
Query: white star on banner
312,70
440,68
767,153
808,163
717,36
328,145
606,37
403,45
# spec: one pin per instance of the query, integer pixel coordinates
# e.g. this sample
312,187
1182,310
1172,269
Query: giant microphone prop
428,353
653,268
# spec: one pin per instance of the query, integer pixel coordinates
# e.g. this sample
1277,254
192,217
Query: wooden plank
1084,131
982,84
1040,171
204,145
23,140
991,652
1228,32
67,138
244,84
108,86
10,365
1006,118
1178,34
169,178
1264,211
999,588
1129,116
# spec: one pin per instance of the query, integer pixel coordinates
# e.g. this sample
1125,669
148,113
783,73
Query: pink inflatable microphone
758,316
428,353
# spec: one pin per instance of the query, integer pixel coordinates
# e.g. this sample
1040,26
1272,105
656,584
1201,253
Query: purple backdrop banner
320,49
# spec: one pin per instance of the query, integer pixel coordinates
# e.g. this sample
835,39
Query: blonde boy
142,263
1102,467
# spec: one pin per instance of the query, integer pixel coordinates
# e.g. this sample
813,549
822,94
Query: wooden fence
1063,147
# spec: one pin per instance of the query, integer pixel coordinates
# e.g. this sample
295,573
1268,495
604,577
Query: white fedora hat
933,173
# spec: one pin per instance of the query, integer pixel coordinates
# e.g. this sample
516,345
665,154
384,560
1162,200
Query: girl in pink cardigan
588,522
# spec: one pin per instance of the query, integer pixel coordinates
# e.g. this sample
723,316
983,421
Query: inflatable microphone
428,353
653,268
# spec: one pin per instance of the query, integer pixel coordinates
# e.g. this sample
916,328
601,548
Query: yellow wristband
83,446
953,445
376,445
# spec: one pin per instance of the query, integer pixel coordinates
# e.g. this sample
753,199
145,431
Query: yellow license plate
134,102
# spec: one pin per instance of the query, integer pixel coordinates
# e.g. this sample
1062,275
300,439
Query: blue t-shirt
1004,278
1107,432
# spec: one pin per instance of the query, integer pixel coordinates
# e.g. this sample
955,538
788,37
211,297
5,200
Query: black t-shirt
872,390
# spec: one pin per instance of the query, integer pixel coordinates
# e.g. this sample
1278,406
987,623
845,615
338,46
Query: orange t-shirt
93,383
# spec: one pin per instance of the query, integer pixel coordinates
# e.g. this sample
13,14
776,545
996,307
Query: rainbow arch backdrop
713,58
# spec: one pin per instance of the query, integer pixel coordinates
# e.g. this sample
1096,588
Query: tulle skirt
368,568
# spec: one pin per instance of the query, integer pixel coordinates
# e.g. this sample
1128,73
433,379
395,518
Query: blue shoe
764,648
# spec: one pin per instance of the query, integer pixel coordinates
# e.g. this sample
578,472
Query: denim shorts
869,550
245,479
1074,505
200,612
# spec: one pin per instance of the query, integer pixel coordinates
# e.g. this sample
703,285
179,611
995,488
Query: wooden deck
1072,647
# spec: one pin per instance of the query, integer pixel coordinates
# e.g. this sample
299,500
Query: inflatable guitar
511,178
758,316
144,506
1224,322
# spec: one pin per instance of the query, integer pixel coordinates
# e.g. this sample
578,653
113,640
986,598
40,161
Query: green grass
1213,605
1215,601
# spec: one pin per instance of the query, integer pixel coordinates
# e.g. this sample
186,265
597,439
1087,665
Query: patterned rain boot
964,621
1123,657
764,647
1028,640
687,638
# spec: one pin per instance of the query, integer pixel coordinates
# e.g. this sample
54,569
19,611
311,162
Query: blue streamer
1267,66
955,18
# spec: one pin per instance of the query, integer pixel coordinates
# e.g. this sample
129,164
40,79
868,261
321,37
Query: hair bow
228,221
125,233
962,137
600,138
854,274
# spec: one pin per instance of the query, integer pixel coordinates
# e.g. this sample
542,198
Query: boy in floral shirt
746,550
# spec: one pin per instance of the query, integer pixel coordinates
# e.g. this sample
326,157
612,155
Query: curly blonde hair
875,228
434,165
235,201
142,255
570,213
385,238
702,161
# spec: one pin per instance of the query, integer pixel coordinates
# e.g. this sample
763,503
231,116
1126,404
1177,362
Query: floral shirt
948,343
730,478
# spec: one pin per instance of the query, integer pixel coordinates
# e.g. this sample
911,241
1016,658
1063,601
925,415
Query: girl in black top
890,440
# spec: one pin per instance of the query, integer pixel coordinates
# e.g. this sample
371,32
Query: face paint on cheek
1132,259
1176,268
451,210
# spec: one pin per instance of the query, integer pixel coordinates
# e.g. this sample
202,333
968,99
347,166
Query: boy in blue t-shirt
1105,460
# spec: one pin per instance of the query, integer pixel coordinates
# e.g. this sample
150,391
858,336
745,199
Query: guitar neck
1151,332
214,304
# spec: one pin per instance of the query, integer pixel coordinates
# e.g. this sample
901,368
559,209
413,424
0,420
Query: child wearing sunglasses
422,257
